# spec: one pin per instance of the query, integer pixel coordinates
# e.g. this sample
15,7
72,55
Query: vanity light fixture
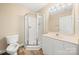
57,8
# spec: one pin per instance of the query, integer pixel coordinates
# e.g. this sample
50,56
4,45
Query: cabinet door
58,47
47,45
43,44
70,48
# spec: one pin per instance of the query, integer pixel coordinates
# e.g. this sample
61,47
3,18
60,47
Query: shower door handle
36,41
39,24
29,27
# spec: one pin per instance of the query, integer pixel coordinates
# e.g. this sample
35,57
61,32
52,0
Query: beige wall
12,20
76,12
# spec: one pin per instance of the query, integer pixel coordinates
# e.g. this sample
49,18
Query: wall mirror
64,15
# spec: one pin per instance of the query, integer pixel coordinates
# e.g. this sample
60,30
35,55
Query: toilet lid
13,47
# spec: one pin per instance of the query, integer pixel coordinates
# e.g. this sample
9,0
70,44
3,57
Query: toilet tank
12,39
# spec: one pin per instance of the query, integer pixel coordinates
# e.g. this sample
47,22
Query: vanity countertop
69,38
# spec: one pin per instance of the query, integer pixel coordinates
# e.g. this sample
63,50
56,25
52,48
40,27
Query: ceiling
34,6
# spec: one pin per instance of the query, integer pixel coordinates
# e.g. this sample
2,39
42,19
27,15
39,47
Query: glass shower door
32,29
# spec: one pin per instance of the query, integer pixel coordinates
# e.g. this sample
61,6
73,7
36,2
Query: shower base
32,47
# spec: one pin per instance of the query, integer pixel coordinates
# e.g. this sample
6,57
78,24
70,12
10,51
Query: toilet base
12,53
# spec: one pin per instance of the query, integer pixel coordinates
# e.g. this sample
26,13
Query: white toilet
12,40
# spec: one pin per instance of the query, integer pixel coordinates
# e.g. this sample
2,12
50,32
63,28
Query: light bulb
50,9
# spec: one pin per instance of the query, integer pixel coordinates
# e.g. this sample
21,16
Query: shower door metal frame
26,31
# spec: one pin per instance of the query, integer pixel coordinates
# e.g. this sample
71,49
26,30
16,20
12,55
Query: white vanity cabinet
53,46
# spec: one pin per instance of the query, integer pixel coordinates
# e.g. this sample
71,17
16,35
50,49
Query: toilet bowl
12,41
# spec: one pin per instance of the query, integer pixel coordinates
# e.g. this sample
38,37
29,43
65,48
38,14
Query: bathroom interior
39,28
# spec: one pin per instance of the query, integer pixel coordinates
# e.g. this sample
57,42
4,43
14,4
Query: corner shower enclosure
33,30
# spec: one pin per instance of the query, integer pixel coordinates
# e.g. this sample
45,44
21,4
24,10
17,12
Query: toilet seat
12,48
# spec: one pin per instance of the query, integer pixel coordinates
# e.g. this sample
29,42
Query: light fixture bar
57,8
